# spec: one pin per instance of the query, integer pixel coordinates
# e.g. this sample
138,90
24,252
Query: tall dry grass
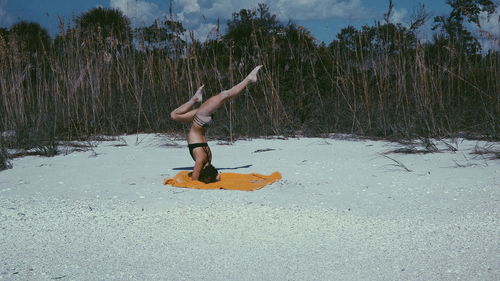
83,86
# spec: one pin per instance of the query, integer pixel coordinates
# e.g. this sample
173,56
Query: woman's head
209,174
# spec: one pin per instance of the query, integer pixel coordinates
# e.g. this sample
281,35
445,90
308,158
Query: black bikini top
203,124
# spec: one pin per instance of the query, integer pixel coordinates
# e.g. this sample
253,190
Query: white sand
342,211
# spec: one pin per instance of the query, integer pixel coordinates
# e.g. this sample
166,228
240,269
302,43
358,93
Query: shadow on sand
191,168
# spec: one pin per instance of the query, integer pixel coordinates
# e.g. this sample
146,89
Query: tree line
101,76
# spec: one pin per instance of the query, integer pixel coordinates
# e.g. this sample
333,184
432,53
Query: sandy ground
343,211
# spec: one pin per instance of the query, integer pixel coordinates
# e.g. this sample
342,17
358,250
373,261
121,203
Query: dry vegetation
386,85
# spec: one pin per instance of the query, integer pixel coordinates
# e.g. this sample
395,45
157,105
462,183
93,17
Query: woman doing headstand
201,119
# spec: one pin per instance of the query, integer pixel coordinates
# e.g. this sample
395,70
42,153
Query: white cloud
398,16
318,9
491,24
189,6
200,15
488,34
490,31
205,31
284,9
224,8
139,12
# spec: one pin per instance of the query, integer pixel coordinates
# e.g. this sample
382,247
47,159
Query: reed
82,86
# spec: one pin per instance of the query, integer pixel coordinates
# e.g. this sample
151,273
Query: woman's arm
198,166
199,163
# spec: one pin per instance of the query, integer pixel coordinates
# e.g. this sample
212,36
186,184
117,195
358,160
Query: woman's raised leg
213,103
185,112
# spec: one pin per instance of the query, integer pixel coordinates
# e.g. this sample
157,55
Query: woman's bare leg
185,112
213,103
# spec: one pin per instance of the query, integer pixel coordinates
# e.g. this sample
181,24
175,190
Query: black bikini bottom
205,147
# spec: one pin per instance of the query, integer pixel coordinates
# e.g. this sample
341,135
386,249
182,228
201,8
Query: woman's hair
208,174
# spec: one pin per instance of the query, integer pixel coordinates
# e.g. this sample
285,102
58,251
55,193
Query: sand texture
344,210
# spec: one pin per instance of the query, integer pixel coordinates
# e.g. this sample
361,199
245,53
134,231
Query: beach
346,208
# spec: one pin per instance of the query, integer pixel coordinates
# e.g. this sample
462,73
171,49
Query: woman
201,119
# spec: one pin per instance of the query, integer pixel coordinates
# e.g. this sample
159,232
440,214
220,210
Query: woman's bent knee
174,116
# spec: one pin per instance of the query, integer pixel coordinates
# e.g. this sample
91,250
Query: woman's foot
198,96
253,75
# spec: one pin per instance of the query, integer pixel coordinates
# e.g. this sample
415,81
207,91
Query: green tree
30,36
452,25
386,38
250,24
392,38
105,23
166,35
347,39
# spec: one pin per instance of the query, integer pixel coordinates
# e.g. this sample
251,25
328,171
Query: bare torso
196,134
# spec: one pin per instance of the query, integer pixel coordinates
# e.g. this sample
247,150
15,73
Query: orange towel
232,181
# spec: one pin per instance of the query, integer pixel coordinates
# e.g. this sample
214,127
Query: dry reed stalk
88,87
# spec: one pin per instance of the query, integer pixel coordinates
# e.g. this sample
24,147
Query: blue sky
324,18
